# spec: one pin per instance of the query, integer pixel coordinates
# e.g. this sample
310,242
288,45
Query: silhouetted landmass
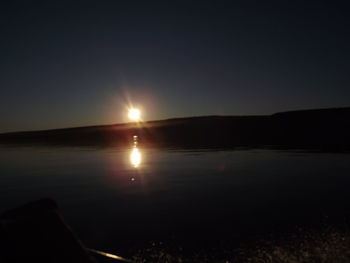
323,129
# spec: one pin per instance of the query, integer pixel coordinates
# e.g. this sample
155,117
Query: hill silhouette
324,129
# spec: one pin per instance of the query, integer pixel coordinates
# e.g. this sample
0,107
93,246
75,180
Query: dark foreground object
37,233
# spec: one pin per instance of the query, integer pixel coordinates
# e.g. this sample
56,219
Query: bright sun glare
134,114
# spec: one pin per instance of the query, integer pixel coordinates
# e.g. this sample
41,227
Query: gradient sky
76,63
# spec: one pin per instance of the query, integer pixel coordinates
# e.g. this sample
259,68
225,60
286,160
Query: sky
77,63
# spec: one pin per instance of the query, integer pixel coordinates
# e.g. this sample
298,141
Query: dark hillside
321,129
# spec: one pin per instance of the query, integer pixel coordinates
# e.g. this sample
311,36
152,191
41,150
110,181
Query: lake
118,200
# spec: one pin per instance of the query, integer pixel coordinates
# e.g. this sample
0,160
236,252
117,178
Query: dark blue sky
78,63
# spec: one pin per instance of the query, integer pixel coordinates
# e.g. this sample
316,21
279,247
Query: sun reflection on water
135,157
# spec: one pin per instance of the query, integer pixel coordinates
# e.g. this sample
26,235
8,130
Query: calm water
115,201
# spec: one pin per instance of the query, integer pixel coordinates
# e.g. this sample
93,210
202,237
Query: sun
134,114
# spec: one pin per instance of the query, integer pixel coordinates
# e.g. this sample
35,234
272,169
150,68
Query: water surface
184,197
